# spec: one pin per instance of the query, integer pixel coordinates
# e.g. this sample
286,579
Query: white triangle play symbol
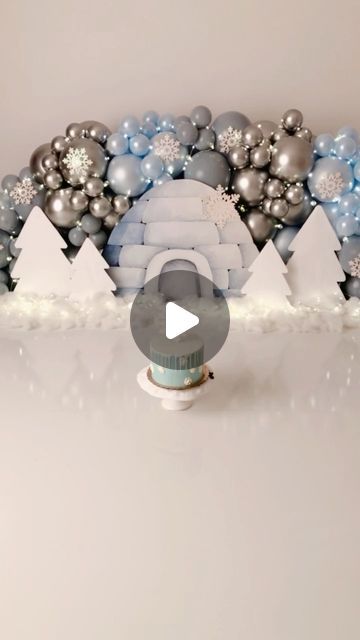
178,320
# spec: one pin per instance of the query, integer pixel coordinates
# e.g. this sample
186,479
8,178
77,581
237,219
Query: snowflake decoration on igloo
167,148
77,162
220,207
331,186
23,192
229,139
355,267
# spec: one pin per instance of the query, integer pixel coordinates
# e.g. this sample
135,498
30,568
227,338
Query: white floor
238,519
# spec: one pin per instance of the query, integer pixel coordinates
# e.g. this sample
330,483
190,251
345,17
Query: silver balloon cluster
78,200
270,165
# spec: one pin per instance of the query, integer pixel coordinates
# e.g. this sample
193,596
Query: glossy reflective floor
236,519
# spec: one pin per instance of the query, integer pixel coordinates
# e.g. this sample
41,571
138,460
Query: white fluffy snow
102,312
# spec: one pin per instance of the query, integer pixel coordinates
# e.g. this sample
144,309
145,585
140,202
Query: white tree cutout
267,284
41,268
314,269
88,274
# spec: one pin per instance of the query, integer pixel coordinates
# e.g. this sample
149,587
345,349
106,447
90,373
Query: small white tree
88,277
42,268
267,284
314,270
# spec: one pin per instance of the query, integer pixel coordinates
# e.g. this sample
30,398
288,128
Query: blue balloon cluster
156,149
335,179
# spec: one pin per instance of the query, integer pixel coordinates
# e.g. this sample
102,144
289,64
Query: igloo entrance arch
172,217
187,260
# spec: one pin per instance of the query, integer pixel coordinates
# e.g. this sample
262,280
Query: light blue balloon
148,129
350,132
173,166
330,179
282,240
164,178
324,144
139,145
167,122
152,167
117,144
349,203
350,249
346,226
126,177
201,116
332,212
345,148
187,133
151,117
180,119
357,171
130,126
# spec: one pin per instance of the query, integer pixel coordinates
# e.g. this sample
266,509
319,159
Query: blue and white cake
178,363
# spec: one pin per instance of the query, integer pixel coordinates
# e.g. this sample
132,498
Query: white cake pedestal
174,399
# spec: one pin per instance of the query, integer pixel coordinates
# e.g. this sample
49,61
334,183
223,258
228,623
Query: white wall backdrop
66,61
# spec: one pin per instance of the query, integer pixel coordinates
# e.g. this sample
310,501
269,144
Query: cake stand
174,399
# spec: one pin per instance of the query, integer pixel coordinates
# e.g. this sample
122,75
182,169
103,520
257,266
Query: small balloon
267,128
261,226
74,130
36,161
238,157
126,177
95,130
352,287
151,116
345,147
274,188
111,220
129,126
121,204
100,207
249,184
324,144
260,156
304,133
79,201
8,220
99,239
152,166
350,250
53,179
206,140
292,120
292,159
117,144
266,206
295,194
58,144
279,208
59,209
50,161
139,145
166,122
9,182
346,226
90,224
201,116
297,214
93,187
77,236
209,167
252,136
187,133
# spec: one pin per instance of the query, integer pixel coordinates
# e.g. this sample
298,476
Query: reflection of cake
177,364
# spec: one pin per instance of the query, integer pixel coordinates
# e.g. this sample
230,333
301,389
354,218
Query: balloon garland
88,178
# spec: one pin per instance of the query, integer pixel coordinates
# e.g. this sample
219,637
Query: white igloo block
235,231
173,209
127,277
180,235
137,255
127,233
222,256
237,278
248,252
221,278
135,214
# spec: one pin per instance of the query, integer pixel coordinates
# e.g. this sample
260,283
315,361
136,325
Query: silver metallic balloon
261,155
292,159
267,128
95,130
121,204
79,201
111,220
53,179
58,144
274,188
279,134
266,206
304,133
82,159
261,227
9,182
36,161
292,120
352,287
282,240
93,187
298,213
238,157
295,194
252,136
249,184
50,161
279,208
100,207
75,130
209,167
59,210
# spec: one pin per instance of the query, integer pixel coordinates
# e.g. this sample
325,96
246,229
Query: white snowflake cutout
167,148
23,192
77,161
355,267
220,207
331,186
229,138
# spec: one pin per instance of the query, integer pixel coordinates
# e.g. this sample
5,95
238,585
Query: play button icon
177,306
178,320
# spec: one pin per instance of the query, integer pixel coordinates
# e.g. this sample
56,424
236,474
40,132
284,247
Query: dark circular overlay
194,293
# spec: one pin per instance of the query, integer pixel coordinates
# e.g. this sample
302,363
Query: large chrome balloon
125,176
209,167
292,159
36,161
249,184
59,209
82,159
